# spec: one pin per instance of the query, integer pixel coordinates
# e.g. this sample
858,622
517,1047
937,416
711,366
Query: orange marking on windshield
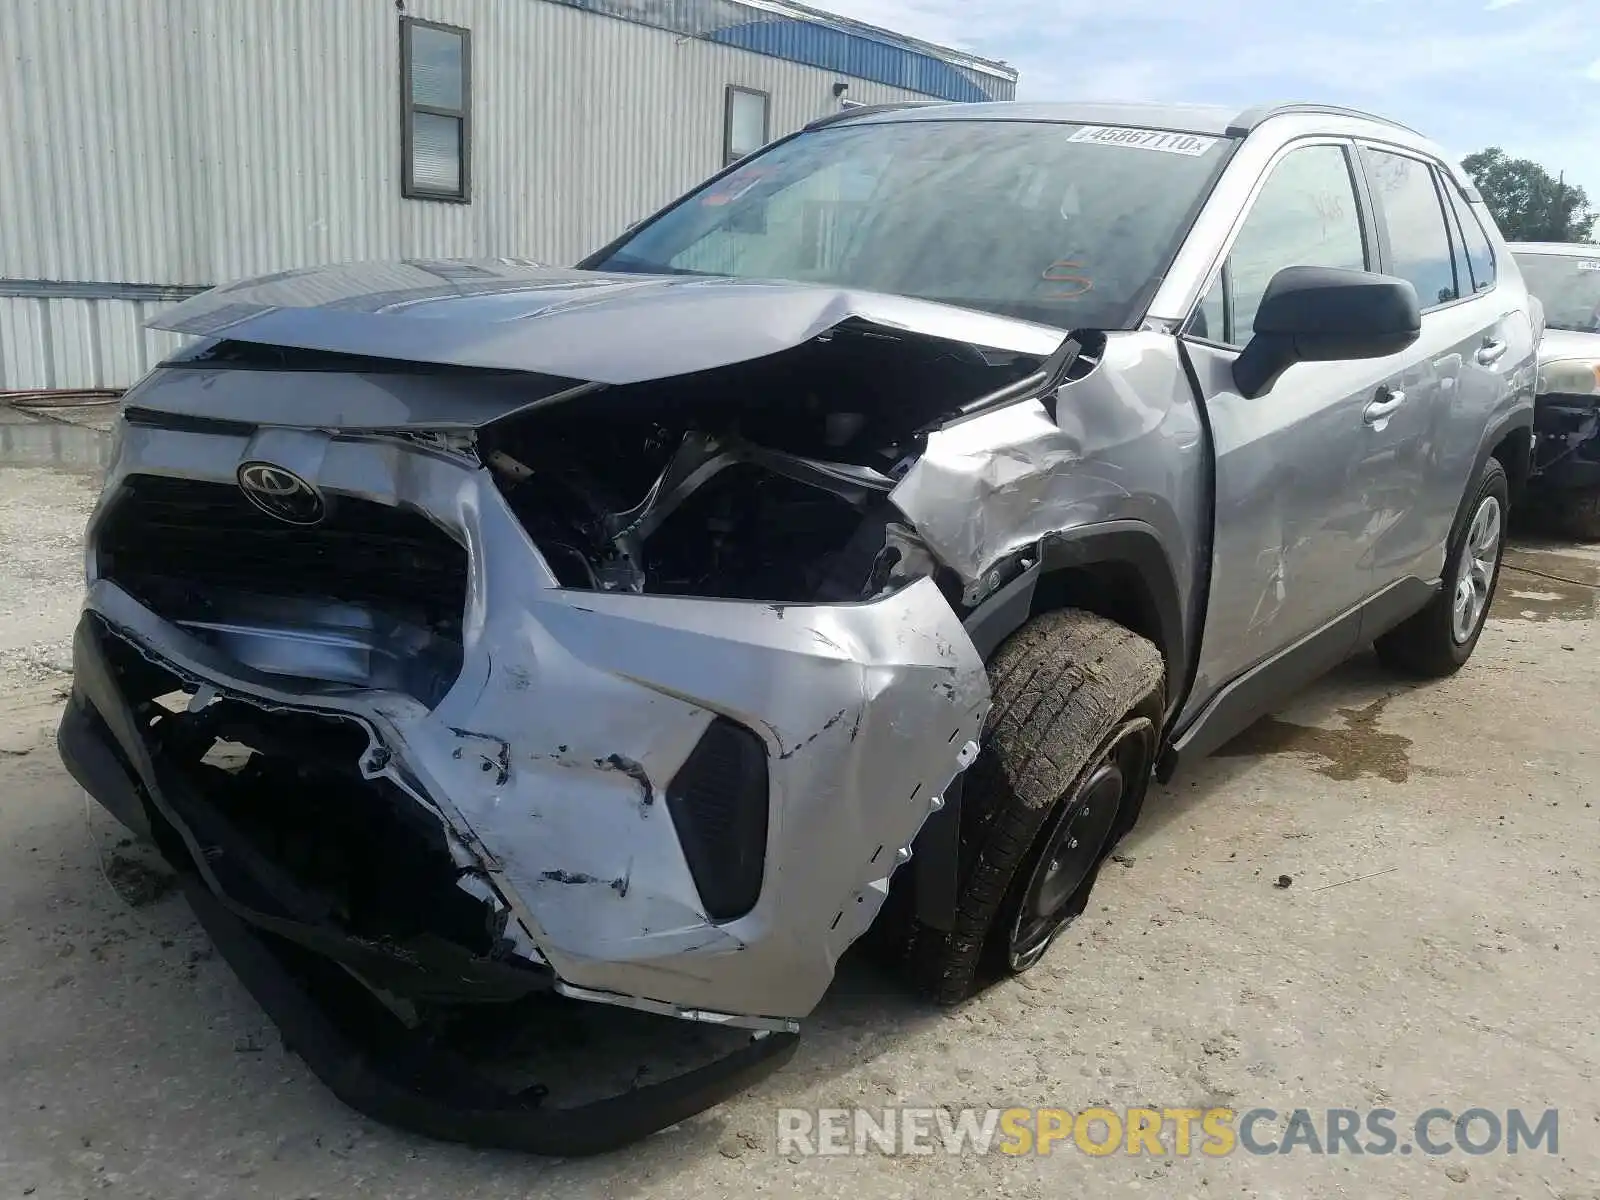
1062,271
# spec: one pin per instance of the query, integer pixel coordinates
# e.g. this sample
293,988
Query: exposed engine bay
765,480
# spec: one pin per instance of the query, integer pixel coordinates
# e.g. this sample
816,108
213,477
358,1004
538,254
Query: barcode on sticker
1589,264
1145,139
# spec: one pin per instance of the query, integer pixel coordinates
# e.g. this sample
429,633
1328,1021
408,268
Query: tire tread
1060,685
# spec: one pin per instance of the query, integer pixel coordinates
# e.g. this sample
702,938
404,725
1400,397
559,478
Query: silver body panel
1125,444
1317,512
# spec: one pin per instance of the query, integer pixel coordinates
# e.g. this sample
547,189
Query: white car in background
1565,483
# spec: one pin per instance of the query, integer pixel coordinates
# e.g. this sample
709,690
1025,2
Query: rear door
1418,463
1290,543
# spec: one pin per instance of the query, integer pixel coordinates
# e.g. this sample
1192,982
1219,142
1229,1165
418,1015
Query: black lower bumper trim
380,1068
353,1043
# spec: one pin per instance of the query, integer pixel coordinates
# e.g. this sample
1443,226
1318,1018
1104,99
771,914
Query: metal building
154,148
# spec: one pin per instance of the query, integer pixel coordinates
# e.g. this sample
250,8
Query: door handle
1490,352
1382,408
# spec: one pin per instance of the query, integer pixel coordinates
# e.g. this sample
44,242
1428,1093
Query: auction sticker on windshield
1145,139
1589,264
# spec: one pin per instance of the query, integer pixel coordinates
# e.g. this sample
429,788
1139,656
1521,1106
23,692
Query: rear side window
1305,215
1419,243
1458,247
1480,255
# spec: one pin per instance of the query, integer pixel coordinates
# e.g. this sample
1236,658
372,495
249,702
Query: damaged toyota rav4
845,547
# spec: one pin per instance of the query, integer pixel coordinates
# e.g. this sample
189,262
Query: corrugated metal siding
193,142
78,343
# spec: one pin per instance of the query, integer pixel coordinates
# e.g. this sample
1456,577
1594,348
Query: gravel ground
50,472
1436,947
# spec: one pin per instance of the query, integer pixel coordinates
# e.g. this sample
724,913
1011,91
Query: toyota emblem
280,493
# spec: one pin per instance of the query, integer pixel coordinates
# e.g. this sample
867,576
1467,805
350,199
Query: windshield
1567,285
1071,226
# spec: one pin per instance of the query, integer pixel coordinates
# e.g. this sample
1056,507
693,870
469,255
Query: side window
1306,215
1458,243
1480,254
1419,243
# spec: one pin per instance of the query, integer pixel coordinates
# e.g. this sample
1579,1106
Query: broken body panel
579,604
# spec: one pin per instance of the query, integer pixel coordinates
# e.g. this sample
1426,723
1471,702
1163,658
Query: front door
1294,467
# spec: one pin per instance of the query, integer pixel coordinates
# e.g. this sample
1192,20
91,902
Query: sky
1523,75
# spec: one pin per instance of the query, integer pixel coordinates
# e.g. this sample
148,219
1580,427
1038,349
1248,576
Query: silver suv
910,493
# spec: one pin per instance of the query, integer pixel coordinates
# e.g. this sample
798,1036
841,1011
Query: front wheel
1438,640
1065,761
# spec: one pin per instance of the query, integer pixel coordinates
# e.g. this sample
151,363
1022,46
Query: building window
744,124
436,105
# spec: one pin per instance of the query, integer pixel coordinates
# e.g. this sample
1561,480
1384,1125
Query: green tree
1529,203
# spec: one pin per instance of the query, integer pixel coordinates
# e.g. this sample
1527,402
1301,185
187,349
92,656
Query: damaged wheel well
1116,591
1117,569
1121,571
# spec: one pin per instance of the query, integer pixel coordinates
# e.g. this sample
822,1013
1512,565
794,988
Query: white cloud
1476,80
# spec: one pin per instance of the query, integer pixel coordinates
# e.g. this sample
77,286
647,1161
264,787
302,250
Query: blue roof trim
816,39
863,58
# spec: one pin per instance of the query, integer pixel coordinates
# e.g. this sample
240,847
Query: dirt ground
1437,946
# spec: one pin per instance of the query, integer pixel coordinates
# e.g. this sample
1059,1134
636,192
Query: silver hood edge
588,326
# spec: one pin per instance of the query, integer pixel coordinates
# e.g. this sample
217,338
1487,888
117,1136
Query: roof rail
866,110
1251,117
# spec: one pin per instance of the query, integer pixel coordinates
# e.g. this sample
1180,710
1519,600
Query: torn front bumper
558,756
356,1045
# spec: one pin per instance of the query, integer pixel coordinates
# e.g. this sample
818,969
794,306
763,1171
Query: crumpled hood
584,325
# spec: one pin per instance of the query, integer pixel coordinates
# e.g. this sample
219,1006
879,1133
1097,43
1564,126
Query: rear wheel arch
1510,440
1514,449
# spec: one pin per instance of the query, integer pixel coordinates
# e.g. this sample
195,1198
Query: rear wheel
1438,640
1065,762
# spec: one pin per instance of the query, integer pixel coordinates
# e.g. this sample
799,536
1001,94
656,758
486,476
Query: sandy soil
1437,946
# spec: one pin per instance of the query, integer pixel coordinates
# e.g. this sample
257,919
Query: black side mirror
1325,314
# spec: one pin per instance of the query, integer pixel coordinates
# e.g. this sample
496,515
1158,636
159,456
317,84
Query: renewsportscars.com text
1165,1132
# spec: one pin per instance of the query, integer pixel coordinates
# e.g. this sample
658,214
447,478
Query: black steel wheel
1060,776
1055,892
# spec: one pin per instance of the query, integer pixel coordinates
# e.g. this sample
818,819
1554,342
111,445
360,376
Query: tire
1072,692
1431,645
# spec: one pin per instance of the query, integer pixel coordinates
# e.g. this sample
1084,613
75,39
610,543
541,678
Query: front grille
176,543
